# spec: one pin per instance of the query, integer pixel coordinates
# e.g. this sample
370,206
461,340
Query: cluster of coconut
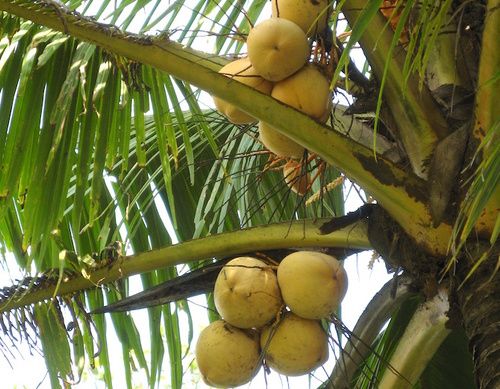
270,314
278,65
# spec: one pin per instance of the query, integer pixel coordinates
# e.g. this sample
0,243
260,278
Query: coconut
242,71
277,48
297,346
246,293
307,90
312,284
227,356
309,15
328,111
278,143
295,178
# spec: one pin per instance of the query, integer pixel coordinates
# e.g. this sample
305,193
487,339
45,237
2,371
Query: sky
29,371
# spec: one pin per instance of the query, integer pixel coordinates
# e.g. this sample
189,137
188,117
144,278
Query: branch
273,236
401,194
197,281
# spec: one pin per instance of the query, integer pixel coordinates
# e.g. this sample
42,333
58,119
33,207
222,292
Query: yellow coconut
307,90
227,356
312,284
310,15
242,71
296,179
328,111
246,293
297,346
279,144
277,48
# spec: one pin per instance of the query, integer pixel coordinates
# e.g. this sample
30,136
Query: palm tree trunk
479,303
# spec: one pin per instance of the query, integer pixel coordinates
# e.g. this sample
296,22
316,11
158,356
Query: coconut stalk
273,236
420,341
401,194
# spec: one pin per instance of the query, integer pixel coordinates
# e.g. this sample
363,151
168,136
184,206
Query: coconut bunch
278,65
272,313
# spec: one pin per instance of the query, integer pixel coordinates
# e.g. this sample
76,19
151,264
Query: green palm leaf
96,149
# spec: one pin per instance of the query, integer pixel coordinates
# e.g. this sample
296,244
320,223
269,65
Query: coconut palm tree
97,121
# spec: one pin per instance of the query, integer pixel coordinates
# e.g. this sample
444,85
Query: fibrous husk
296,179
309,15
227,356
246,293
300,274
297,346
242,71
279,144
308,90
277,48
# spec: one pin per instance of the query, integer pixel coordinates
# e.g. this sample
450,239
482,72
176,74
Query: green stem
401,194
302,233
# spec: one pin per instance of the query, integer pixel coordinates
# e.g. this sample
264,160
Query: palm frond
453,352
85,84
107,160
68,199
199,68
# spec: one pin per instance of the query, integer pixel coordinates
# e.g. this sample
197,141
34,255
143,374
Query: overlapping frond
96,149
75,123
91,148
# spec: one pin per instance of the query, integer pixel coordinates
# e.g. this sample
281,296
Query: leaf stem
303,233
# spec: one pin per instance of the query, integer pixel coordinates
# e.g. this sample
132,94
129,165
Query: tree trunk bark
479,303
